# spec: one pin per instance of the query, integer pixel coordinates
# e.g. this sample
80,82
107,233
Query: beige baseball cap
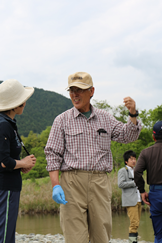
81,80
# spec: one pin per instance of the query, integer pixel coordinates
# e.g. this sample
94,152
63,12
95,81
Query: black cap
157,128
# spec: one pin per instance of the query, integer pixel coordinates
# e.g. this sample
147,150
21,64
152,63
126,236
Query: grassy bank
36,196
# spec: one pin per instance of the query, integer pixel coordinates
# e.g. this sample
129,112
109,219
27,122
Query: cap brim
81,86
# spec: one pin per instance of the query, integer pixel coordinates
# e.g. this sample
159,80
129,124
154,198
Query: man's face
131,162
81,98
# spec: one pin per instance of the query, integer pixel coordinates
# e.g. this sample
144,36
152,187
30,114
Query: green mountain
41,110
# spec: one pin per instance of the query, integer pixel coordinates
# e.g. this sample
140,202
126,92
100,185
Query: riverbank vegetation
36,196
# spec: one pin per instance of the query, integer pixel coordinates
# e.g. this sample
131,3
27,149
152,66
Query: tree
35,144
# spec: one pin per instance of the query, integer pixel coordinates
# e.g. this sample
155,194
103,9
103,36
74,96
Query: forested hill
40,111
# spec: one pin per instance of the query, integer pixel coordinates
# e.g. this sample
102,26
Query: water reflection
120,225
39,224
45,224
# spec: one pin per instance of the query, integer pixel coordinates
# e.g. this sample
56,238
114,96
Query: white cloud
118,42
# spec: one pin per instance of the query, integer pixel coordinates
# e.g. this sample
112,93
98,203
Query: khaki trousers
88,211
134,214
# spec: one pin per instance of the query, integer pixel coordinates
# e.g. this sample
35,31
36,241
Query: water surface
50,224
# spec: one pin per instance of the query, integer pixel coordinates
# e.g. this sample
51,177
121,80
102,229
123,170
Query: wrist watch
134,115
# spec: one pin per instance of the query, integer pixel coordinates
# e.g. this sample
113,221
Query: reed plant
36,197
116,202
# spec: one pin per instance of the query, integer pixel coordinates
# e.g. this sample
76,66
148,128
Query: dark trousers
9,205
155,198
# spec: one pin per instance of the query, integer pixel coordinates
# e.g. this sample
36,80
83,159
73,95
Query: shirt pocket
73,139
104,140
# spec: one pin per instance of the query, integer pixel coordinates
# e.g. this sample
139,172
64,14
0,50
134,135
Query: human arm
26,163
145,198
128,132
131,106
54,151
54,176
10,149
23,170
138,172
55,146
123,181
58,193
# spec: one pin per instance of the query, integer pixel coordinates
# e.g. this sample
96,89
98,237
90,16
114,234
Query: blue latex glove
58,195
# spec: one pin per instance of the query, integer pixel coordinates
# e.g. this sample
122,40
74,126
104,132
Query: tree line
35,143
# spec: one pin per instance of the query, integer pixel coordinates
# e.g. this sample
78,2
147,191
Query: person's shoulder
4,122
122,170
65,114
150,149
101,112
5,126
145,150
64,118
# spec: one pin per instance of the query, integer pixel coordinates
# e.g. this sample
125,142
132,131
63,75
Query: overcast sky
119,42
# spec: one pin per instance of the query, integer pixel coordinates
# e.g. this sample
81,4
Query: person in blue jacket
13,97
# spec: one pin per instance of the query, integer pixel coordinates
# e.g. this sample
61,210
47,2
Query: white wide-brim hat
13,94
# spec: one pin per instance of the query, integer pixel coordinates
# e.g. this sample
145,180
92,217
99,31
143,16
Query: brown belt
86,171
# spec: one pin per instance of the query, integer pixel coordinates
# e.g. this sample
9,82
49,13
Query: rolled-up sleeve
125,133
55,146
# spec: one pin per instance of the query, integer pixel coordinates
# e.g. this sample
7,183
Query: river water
45,224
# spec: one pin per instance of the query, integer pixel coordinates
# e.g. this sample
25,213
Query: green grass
36,197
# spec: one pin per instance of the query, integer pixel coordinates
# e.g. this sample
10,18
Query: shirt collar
7,118
77,112
130,168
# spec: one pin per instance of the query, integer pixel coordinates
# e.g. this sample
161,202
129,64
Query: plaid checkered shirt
76,142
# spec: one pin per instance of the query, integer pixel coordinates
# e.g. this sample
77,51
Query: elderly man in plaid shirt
79,146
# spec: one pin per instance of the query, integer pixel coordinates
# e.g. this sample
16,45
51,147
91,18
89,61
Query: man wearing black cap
150,160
